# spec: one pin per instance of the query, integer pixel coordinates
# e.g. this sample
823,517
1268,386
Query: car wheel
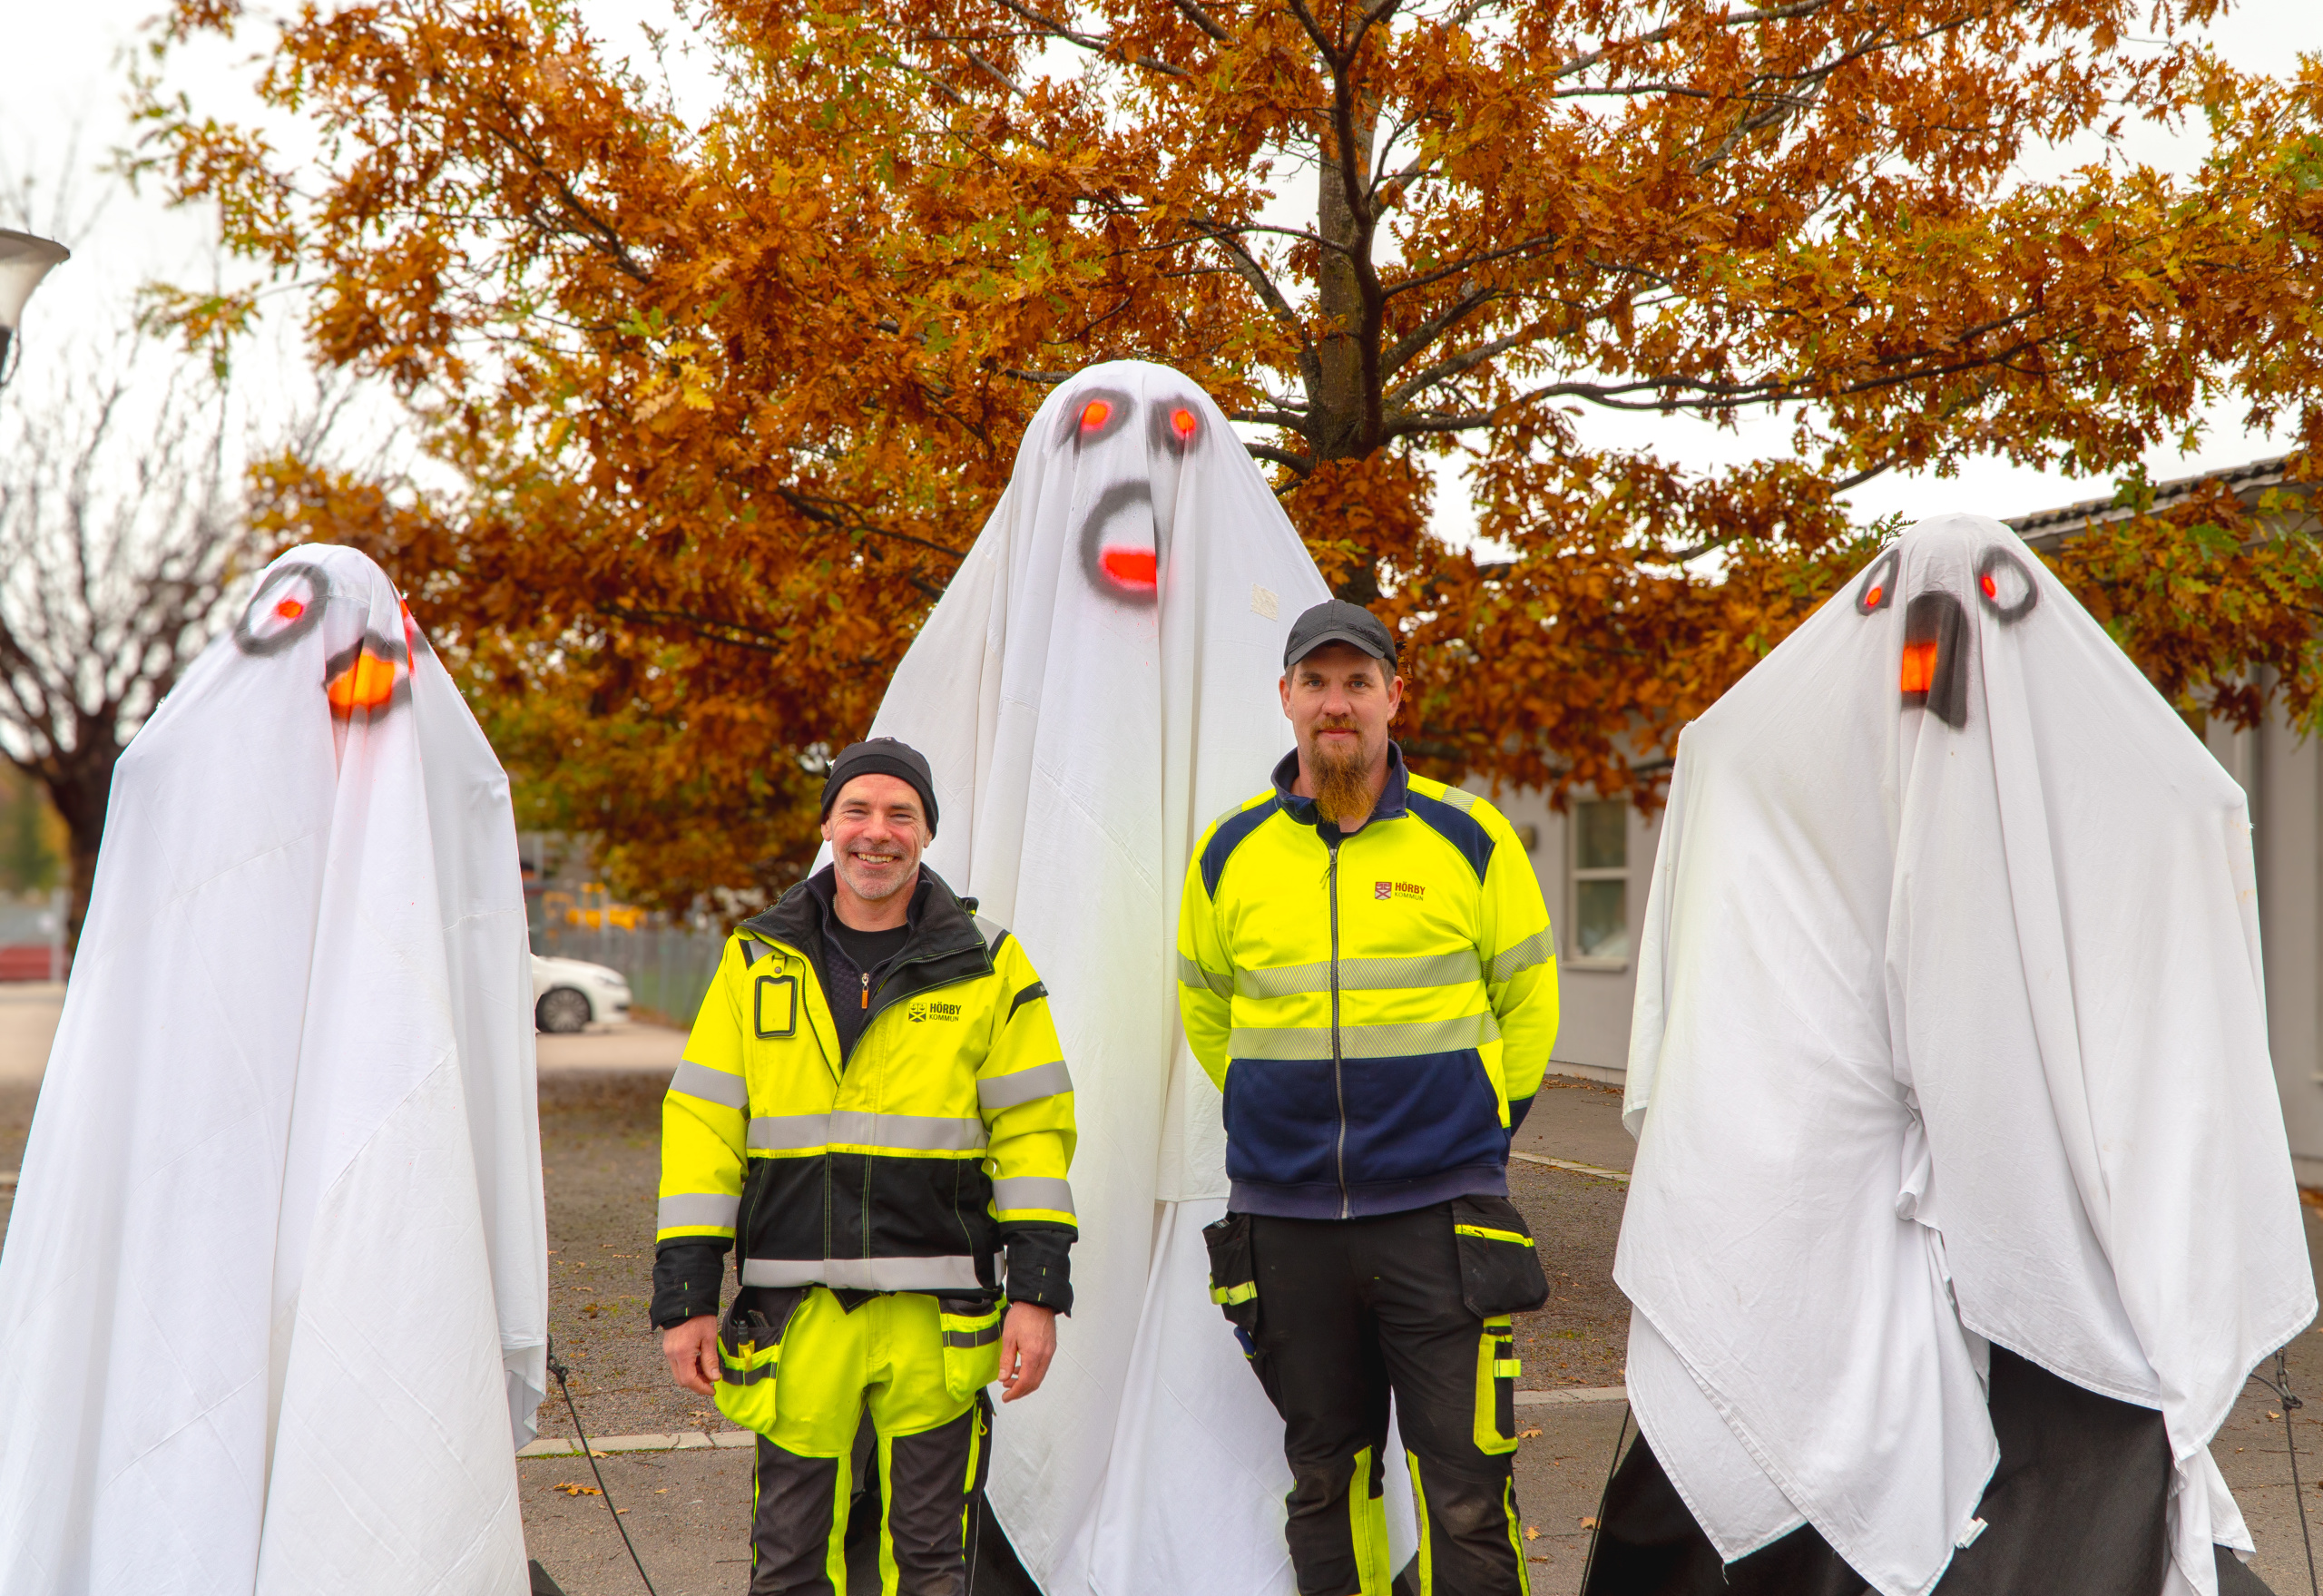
563,1012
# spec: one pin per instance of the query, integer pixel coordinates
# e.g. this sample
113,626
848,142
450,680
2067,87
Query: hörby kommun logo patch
1409,890
924,1010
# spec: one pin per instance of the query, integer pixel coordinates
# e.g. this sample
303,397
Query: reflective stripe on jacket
1368,1004
902,1166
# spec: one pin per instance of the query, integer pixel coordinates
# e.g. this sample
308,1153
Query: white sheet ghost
1095,687
273,1303
1949,1030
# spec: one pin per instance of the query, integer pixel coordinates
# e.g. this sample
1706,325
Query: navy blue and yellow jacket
1370,1004
904,1163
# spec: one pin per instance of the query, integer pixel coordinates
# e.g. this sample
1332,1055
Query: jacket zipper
1338,1078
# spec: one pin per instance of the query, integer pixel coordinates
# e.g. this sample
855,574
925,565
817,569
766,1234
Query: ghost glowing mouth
1133,570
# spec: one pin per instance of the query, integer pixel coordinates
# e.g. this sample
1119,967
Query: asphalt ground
687,1512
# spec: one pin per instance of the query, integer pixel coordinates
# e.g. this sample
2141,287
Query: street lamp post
24,261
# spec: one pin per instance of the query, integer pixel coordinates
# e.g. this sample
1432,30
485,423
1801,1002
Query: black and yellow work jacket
904,1164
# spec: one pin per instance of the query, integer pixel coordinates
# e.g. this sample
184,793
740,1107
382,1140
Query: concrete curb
1560,1163
703,1441
606,1445
1571,1394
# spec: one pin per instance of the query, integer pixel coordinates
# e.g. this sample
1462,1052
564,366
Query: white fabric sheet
273,1303
1949,1029
1097,685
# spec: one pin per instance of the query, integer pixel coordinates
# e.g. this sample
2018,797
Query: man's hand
1028,1343
692,1351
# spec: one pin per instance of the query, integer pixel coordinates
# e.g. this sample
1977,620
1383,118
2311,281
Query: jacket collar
1391,804
939,924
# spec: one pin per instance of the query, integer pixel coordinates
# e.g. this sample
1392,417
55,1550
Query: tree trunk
80,784
1342,409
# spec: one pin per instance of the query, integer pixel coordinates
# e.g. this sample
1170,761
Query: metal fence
669,967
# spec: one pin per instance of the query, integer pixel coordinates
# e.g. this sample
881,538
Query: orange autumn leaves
728,399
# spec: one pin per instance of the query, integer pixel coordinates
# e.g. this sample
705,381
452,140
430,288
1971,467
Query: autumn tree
730,400
119,536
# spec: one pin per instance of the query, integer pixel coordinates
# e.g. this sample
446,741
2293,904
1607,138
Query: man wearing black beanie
872,1105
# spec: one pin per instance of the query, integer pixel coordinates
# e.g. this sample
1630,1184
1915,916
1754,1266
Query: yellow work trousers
803,1371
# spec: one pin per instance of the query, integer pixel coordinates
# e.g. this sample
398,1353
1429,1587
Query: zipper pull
867,989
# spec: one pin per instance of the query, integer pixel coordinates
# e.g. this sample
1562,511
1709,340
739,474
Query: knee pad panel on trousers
932,1478
1337,1527
1471,1541
798,1523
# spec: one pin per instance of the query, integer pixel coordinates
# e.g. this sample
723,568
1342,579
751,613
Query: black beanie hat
882,756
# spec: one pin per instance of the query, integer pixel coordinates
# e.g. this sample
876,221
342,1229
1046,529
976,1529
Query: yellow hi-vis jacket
1370,1004
945,1134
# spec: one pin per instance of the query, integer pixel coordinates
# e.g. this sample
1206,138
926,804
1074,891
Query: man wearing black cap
1365,968
872,1105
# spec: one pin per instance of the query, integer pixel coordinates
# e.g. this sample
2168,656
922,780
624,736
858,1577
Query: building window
1601,883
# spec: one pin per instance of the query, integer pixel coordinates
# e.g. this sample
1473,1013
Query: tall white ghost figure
1097,685
1949,1031
273,1305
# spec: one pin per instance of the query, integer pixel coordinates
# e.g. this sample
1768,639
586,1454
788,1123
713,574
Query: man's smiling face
876,831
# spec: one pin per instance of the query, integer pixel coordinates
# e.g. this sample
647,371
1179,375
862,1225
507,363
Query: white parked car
568,993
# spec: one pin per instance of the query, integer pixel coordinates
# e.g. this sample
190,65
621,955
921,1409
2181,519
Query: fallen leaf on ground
1588,1523
572,1490
1531,1534
1526,1434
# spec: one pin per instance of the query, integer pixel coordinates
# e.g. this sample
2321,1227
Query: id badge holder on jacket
1500,1274
971,1342
749,1351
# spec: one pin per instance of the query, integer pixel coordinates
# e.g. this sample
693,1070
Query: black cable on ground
2281,1386
1598,1528
556,1367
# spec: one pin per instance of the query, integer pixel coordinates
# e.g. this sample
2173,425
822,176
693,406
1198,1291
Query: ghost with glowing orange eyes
283,1186
1091,691
1962,1204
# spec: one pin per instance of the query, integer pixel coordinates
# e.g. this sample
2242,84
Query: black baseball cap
1336,621
882,756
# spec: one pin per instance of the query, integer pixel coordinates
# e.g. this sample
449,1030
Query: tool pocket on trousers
1234,1287
1497,1371
749,1352
971,1342
1500,1273
1233,1276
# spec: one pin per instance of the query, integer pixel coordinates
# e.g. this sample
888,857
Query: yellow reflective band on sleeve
1490,1235
1228,1296
1507,1369
1192,974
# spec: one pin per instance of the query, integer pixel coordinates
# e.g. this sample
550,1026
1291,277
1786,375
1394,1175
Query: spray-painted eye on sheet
287,605
1878,588
368,678
1120,553
2006,587
1174,427
1093,416
1935,675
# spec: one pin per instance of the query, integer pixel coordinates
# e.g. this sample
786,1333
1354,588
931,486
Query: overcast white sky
65,72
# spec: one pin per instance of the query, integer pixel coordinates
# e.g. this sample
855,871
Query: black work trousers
1350,1310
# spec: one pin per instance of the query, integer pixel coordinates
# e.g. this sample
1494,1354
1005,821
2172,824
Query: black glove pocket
1500,1272
1234,1276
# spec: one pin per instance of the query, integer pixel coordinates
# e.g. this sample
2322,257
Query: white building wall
1594,995
2282,774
